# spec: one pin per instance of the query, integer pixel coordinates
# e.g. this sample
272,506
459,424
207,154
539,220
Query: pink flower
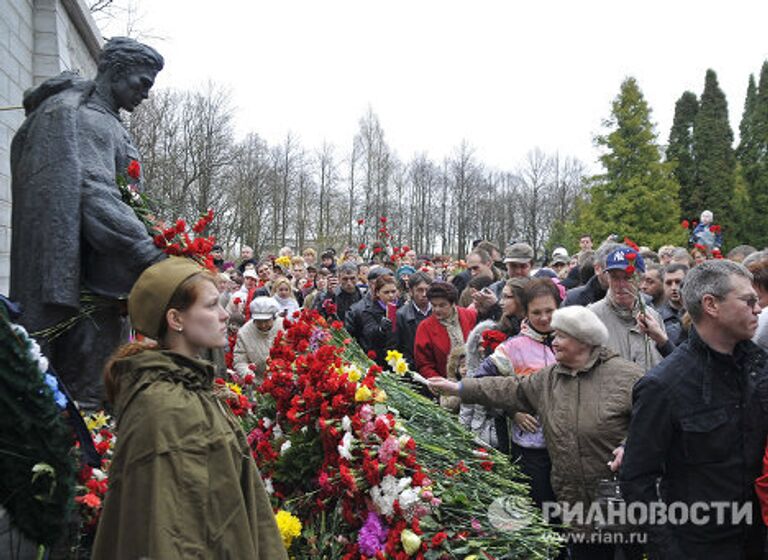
390,448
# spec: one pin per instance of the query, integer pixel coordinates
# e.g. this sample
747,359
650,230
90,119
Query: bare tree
272,195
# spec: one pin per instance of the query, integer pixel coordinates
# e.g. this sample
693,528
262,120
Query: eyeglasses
751,301
476,267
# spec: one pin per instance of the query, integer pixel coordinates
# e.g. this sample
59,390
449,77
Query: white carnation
345,449
346,423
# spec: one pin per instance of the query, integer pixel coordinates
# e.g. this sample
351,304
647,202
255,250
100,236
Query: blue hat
405,269
617,260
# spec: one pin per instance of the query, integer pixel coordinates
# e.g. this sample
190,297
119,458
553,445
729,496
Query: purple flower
318,338
373,535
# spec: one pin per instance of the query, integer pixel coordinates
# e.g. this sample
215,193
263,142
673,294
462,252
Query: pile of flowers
176,240
92,482
172,240
359,465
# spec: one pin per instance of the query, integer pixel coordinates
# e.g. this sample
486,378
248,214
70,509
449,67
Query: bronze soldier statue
74,239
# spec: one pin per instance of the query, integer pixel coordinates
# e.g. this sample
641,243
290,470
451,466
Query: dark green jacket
183,484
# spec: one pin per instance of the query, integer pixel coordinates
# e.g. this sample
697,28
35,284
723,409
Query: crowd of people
616,361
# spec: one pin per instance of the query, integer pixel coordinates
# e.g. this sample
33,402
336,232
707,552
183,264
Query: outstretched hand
442,386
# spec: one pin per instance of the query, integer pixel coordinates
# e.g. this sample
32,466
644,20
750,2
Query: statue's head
130,68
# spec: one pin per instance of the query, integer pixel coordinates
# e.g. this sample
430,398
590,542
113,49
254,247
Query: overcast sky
507,76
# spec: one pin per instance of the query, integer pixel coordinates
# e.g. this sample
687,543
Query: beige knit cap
580,323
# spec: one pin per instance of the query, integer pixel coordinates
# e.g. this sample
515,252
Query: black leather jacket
699,424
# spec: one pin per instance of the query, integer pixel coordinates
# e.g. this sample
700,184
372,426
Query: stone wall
38,39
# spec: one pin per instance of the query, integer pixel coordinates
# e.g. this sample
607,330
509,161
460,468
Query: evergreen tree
637,196
680,149
746,152
756,164
747,168
714,156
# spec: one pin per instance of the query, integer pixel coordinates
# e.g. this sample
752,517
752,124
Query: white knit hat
264,308
580,323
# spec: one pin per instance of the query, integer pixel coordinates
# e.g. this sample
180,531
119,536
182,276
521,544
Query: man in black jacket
342,297
411,314
699,424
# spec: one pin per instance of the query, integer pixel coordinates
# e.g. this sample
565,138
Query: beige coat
252,347
585,415
624,337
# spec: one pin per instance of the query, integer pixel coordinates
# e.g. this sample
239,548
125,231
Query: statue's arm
108,224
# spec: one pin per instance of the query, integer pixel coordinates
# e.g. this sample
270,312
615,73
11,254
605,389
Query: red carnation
686,224
406,248
438,539
383,219
630,243
134,169
700,247
630,269
492,338
372,354
361,247
631,256
360,221
376,250
487,465
181,225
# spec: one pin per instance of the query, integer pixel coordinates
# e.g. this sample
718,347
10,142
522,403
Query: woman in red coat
447,328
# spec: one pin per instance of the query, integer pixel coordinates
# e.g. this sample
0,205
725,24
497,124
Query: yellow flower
393,356
362,394
96,421
380,396
235,388
401,367
289,526
411,541
353,373
283,261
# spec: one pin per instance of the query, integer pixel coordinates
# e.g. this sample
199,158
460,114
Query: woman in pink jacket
524,354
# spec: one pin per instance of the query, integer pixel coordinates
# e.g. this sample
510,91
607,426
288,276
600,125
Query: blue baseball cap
617,260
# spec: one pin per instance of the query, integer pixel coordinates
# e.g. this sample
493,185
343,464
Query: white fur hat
580,323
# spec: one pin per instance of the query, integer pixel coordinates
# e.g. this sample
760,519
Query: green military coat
183,484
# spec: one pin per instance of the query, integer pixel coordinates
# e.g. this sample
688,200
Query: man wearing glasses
699,426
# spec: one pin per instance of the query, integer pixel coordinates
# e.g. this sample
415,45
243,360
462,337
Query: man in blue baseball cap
636,331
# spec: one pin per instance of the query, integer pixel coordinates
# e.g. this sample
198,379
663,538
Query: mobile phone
392,313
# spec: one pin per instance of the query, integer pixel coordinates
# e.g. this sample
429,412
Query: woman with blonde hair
182,483
282,291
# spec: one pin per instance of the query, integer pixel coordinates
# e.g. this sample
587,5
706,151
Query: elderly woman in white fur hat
584,402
